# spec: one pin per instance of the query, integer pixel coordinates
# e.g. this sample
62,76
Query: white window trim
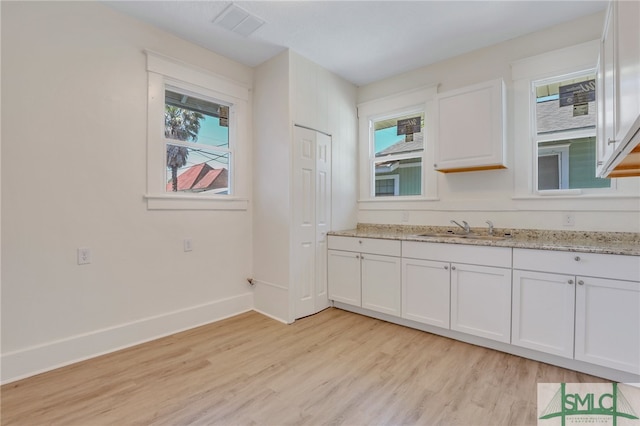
164,71
547,66
413,100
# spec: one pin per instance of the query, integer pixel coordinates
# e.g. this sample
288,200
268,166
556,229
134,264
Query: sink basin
441,235
485,237
467,236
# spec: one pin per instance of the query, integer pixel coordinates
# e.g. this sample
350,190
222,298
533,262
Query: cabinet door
628,66
426,291
542,312
344,276
607,89
470,128
381,283
607,323
481,301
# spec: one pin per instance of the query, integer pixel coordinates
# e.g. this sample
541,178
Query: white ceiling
362,41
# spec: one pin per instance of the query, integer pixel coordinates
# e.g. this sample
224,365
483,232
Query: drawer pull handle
570,281
610,141
581,282
577,258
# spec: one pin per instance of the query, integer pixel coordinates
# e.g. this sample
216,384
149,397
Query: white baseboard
51,355
272,300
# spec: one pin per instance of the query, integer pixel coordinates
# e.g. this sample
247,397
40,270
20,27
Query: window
394,147
565,133
196,147
197,143
397,146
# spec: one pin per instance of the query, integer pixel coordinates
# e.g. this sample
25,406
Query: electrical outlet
188,244
84,256
568,219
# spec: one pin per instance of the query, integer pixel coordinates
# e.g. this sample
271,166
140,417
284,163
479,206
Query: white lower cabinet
426,291
589,318
442,287
343,277
381,283
481,301
579,306
608,323
365,272
543,312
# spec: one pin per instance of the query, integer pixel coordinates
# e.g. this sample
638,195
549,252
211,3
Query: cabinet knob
580,282
446,267
357,256
577,258
435,166
453,268
610,141
360,241
570,281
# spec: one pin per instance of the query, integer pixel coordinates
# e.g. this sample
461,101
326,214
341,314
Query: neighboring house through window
398,147
565,133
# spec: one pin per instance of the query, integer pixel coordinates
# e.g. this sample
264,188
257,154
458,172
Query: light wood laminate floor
333,368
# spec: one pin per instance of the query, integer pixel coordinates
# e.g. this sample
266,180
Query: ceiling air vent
238,20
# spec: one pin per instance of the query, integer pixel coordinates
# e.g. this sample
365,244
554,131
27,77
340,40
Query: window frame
547,66
560,136
164,72
421,100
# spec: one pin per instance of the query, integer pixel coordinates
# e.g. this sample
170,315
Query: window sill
194,202
576,195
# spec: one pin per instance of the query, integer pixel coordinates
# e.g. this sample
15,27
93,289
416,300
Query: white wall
272,187
478,196
290,89
74,92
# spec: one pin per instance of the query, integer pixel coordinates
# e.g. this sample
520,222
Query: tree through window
198,153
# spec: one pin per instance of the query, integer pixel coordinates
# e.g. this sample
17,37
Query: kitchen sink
440,235
466,236
485,237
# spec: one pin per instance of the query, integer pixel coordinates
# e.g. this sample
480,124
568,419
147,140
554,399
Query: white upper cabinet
470,128
619,92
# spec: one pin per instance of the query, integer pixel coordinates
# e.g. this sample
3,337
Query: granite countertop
623,243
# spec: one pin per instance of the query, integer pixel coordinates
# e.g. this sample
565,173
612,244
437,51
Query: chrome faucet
488,222
466,227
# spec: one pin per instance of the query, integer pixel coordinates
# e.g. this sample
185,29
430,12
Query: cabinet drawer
575,263
365,245
459,253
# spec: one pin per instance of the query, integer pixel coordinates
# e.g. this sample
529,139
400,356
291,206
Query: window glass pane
196,170
189,118
566,108
387,141
398,146
407,176
200,164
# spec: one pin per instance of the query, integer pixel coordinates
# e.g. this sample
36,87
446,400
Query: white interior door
311,215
